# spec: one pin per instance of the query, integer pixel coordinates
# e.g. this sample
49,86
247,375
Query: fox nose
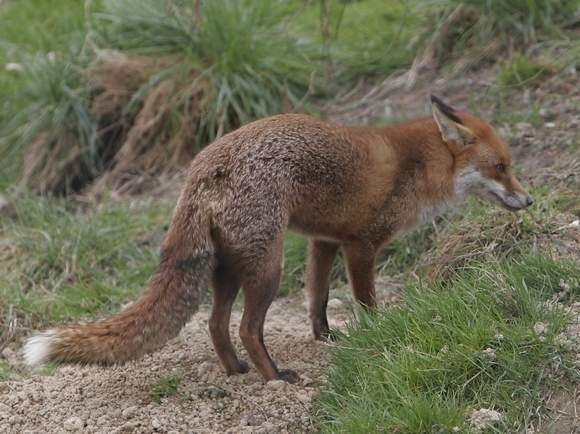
529,200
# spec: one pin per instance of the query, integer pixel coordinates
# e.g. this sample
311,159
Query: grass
522,21
4,371
55,126
392,371
29,29
206,83
475,30
49,25
191,83
248,73
371,37
294,263
59,263
521,71
165,387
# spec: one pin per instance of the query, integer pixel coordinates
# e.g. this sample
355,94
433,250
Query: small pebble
129,412
73,424
335,303
277,384
540,328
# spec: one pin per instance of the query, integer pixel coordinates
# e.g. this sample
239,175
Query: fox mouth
502,202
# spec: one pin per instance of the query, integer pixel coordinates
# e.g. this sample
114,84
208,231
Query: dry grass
115,77
153,133
485,232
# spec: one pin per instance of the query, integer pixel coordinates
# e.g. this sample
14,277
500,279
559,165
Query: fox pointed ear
450,125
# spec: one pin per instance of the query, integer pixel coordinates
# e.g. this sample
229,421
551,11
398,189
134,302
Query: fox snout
517,200
513,200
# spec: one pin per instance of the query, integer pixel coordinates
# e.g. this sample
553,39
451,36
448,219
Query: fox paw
242,368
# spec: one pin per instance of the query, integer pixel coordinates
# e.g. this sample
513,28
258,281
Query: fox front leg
360,262
321,255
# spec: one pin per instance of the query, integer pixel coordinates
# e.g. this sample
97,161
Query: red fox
345,188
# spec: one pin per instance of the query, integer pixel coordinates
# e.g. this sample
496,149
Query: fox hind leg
226,286
260,286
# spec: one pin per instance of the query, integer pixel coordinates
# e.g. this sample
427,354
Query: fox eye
500,168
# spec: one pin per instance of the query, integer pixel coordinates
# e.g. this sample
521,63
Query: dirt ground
117,399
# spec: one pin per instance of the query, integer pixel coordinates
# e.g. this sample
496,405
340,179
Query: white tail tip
38,348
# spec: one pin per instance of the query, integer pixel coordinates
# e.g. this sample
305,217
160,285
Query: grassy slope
470,344
425,365
421,367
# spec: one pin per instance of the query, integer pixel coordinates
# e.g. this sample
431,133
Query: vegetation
450,349
479,30
184,82
165,387
28,30
521,71
199,84
61,263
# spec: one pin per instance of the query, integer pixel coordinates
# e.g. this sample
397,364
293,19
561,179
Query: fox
352,189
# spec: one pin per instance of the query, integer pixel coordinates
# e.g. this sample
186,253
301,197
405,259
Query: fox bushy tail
173,295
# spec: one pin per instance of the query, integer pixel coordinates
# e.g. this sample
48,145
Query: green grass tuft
421,366
55,125
521,71
294,263
165,387
29,29
522,21
365,38
4,371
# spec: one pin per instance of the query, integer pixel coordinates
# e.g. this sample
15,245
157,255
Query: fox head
482,160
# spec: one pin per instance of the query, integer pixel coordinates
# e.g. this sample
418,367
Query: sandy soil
117,400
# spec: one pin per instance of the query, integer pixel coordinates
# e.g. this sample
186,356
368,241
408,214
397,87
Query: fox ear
450,125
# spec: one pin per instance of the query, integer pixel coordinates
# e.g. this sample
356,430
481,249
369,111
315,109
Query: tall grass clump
450,349
522,71
218,67
55,125
156,82
29,29
240,53
359,39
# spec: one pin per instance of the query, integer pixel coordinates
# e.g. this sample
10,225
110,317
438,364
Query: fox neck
445,197
442,180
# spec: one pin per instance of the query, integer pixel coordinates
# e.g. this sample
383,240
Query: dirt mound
120,399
